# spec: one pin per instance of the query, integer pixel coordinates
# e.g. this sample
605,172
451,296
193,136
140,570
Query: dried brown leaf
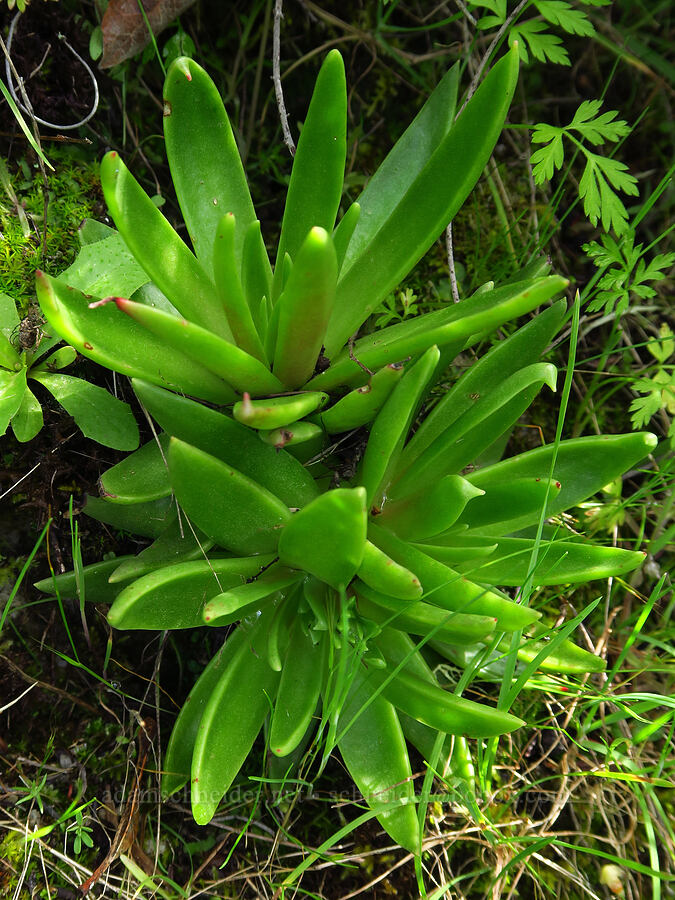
124,30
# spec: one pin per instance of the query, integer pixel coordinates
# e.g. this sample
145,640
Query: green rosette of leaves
341,573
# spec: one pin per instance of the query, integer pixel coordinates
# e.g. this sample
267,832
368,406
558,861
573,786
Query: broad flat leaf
234,511
175,596
12,388
105,268
9,317
27,420
98,414
124,30
327,538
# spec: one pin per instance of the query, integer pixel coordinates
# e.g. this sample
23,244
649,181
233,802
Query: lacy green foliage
658,390
625,272
341,569
533,34
603,177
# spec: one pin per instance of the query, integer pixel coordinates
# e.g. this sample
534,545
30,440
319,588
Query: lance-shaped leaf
418,617
98,414
484,375
227,440
94,578
256,275
230,291
122,345
344,231
178,542
583,466
174,596
304,309
415,219
238,368
557,562
449,590
327,538
169,263
475,429
147,519
424,515
391,426
205,165
234,714
567,658
178,757
381,573
141,476
492,512
361,405
315,188
299,692
234,511
277,411
384,776
241,600
457,323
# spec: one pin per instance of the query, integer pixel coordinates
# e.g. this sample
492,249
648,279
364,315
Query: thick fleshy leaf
360,406
178,757
102,334
423,515
139,477
315,187
256,275
210,492
241,600
449,590
275,412
484,375
454,325
167,260
327,538
374,751
304,309
178,542
475,429
234,714
381,573
492,511
146,519
210,182
299,691
227,440
94,578
174,596
27,420
344,231
418,617
416,217
583,467
226,268
391,427
98,414
243,371
558,562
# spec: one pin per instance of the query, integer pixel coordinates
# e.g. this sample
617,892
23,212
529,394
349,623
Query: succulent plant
305,484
